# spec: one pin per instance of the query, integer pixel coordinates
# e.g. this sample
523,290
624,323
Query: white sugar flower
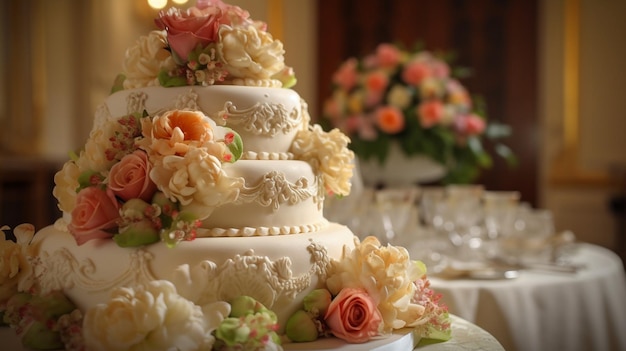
66,183
152,317
250,53
387,274
16,272
94,156
146,59
328,153
196,181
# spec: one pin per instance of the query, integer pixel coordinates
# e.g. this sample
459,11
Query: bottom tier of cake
277,271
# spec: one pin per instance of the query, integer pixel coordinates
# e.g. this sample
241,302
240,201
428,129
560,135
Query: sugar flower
143,177
207,44
152,316
387,274
16,272
328,153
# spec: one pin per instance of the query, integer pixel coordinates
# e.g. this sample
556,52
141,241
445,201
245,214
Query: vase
400,170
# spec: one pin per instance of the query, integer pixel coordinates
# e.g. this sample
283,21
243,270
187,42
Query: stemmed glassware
500,209
398,214
464,210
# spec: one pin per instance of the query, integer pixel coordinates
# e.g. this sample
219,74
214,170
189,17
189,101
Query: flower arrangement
209,43
143,179
413,99
372,291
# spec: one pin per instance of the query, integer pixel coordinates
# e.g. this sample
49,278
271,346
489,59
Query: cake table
465,337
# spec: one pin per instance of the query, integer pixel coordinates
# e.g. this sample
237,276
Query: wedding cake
193,216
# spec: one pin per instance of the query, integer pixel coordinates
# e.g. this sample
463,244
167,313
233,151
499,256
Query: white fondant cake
193,216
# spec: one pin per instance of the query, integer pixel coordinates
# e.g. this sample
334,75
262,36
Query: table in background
548,311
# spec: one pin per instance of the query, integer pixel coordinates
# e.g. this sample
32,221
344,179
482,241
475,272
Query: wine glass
464,213
398,214
499,213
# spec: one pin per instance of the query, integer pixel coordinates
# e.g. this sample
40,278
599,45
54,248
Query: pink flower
389,119
470,124
129,178
430,113
388,55
187,29
440,69
458,95
376,82
346,75
96,211
415,71
353,316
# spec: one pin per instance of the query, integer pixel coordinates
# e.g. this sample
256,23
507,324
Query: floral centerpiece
396,101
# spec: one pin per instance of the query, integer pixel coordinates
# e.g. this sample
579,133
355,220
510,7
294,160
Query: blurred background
551,69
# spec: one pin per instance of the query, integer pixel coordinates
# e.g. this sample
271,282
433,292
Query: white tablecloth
548,311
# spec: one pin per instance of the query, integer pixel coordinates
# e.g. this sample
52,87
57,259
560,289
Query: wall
584,118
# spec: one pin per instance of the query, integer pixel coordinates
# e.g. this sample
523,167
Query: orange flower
376,82
430,113
389,119
174,131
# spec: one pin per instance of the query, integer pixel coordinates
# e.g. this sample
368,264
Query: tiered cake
193,216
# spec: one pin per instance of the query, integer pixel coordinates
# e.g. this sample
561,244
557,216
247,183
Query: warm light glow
157,4
180,2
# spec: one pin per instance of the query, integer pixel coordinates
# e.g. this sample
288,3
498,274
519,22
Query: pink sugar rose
187,29
129,178
95,212
353,316
430,113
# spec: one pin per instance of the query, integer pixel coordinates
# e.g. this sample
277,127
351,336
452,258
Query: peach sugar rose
96,211
353,317
173,132
130,178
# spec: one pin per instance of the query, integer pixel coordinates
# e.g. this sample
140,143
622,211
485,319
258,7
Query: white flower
399,96
196,181
250,53
152,317
16,273
66,183
387,274
144,61
328,153
94,156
